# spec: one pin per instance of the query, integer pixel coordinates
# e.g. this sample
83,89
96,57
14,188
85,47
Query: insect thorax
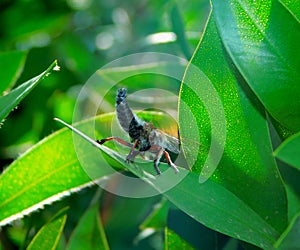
140,131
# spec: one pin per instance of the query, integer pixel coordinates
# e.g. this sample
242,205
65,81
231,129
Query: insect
144,136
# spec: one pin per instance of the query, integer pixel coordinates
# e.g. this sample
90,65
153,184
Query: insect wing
171,143
187,149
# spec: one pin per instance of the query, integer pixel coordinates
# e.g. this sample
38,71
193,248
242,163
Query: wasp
144,136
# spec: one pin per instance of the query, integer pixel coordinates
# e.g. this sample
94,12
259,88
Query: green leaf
291,178
158,217
173,240
45,173
209,203
198,235
262,38
179,30
12,99
292,6
50,170
290,239
232,244
155,221
219,209
246,167
89,233
124,219
48,236
288,151
293,201
13,63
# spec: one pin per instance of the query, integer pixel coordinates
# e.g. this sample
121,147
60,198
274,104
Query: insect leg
157,159
133,153
171,164
142,154
117,139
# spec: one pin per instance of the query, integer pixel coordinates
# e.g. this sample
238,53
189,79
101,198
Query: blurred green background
84,35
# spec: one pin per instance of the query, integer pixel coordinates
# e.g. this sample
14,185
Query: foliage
248,52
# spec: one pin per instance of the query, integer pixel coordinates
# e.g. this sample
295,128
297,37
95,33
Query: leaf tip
59,120
56,67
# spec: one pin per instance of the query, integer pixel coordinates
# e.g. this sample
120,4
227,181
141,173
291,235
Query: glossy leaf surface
55,176
262,39
245,166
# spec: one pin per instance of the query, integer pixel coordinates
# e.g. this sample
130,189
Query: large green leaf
219,209
292,6
13,63
288,151
48,236
13,98
208,203
263,39
51,170
247,167
45,173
